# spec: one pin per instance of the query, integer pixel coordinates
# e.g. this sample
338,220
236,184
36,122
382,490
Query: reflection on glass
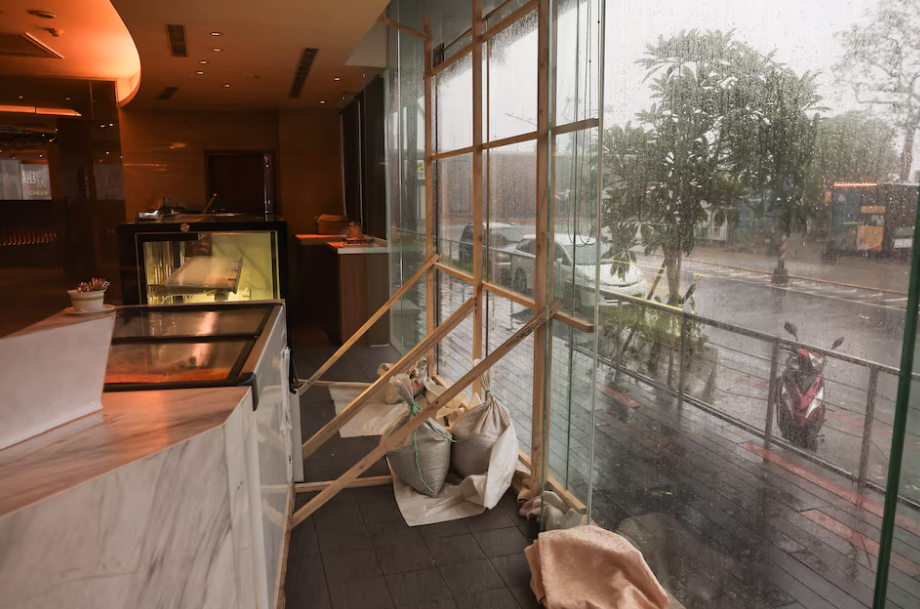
136,322
211,267
173,362
453,198
453,114
512,216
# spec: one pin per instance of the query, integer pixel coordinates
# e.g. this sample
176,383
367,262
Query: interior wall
310,166
164,155
164,151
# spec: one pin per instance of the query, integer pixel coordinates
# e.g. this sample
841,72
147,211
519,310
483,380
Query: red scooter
800,395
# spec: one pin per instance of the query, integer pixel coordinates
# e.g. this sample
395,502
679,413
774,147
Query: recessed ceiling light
106,151
67,98
322,101
102,125
337,78
200,72
216,50
226,85
20,97
111,124
203,61
217,33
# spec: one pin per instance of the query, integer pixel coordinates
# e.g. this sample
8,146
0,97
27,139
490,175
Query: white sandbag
477,430
417,375
423,459
473,495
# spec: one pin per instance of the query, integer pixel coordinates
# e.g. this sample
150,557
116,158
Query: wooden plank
430,284
859,540
557,487
312,487
588,123
451,153
404,28
368,324
408,360
415,422
281,598
510,19
477,184
542,338
462,275
452,59
507,141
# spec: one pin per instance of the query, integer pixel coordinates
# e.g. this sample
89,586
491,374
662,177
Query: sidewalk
804,260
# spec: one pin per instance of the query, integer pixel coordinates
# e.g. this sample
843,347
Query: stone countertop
130,427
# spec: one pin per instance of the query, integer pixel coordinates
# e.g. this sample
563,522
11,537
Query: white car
575,257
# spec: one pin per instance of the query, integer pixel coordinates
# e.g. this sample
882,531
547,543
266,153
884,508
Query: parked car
575,258
498,236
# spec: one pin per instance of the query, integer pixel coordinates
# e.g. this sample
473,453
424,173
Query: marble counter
154,502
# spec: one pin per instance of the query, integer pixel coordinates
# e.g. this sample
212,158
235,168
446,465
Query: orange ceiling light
36,110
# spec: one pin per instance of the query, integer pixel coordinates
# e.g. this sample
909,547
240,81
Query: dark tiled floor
357,551
339,559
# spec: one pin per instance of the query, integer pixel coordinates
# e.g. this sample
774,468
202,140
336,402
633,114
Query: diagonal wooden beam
368,324
415,422
409,359
402,27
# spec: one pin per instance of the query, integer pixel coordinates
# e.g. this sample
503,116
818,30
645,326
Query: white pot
86,301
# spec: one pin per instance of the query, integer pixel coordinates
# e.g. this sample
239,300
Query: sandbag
476,431
423,459
417,375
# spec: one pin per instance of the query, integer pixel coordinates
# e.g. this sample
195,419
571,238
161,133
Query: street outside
857,298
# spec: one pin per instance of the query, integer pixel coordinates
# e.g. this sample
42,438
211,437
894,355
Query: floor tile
341,512
500,542
417,587
368,594
524,596
404,557
514,569
377,503
350,566
510,506
469,578
489,520
391,532
343,540
455,550
531,530
450,528
500,598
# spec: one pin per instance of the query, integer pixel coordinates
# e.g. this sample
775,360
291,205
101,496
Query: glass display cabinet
200,259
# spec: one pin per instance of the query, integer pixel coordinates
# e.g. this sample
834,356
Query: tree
881,63
724,116
855,147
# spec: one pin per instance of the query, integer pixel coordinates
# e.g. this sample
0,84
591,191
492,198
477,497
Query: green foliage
855,147
726,121
647,326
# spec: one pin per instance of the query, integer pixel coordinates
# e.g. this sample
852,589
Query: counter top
130,427
311,239
379,246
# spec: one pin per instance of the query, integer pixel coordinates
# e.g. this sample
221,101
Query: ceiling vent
167,92
303,69
24,45
176,35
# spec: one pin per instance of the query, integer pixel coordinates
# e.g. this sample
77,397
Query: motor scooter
800,394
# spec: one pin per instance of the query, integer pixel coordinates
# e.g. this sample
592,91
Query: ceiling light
106,151
227,85
322,101
111,124
217,33
67,99
199,72
20,97
103,126
216,50
337,78
203,61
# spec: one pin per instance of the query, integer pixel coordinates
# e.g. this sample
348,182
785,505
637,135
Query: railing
776,345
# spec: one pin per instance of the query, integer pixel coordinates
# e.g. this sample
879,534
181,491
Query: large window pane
768,210
512,196
453,110
512,79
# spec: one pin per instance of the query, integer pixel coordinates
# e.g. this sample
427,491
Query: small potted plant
89,295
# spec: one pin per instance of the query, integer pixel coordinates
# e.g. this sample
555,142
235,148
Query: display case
181,347
194,259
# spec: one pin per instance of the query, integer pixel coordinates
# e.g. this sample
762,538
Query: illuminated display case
188,259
